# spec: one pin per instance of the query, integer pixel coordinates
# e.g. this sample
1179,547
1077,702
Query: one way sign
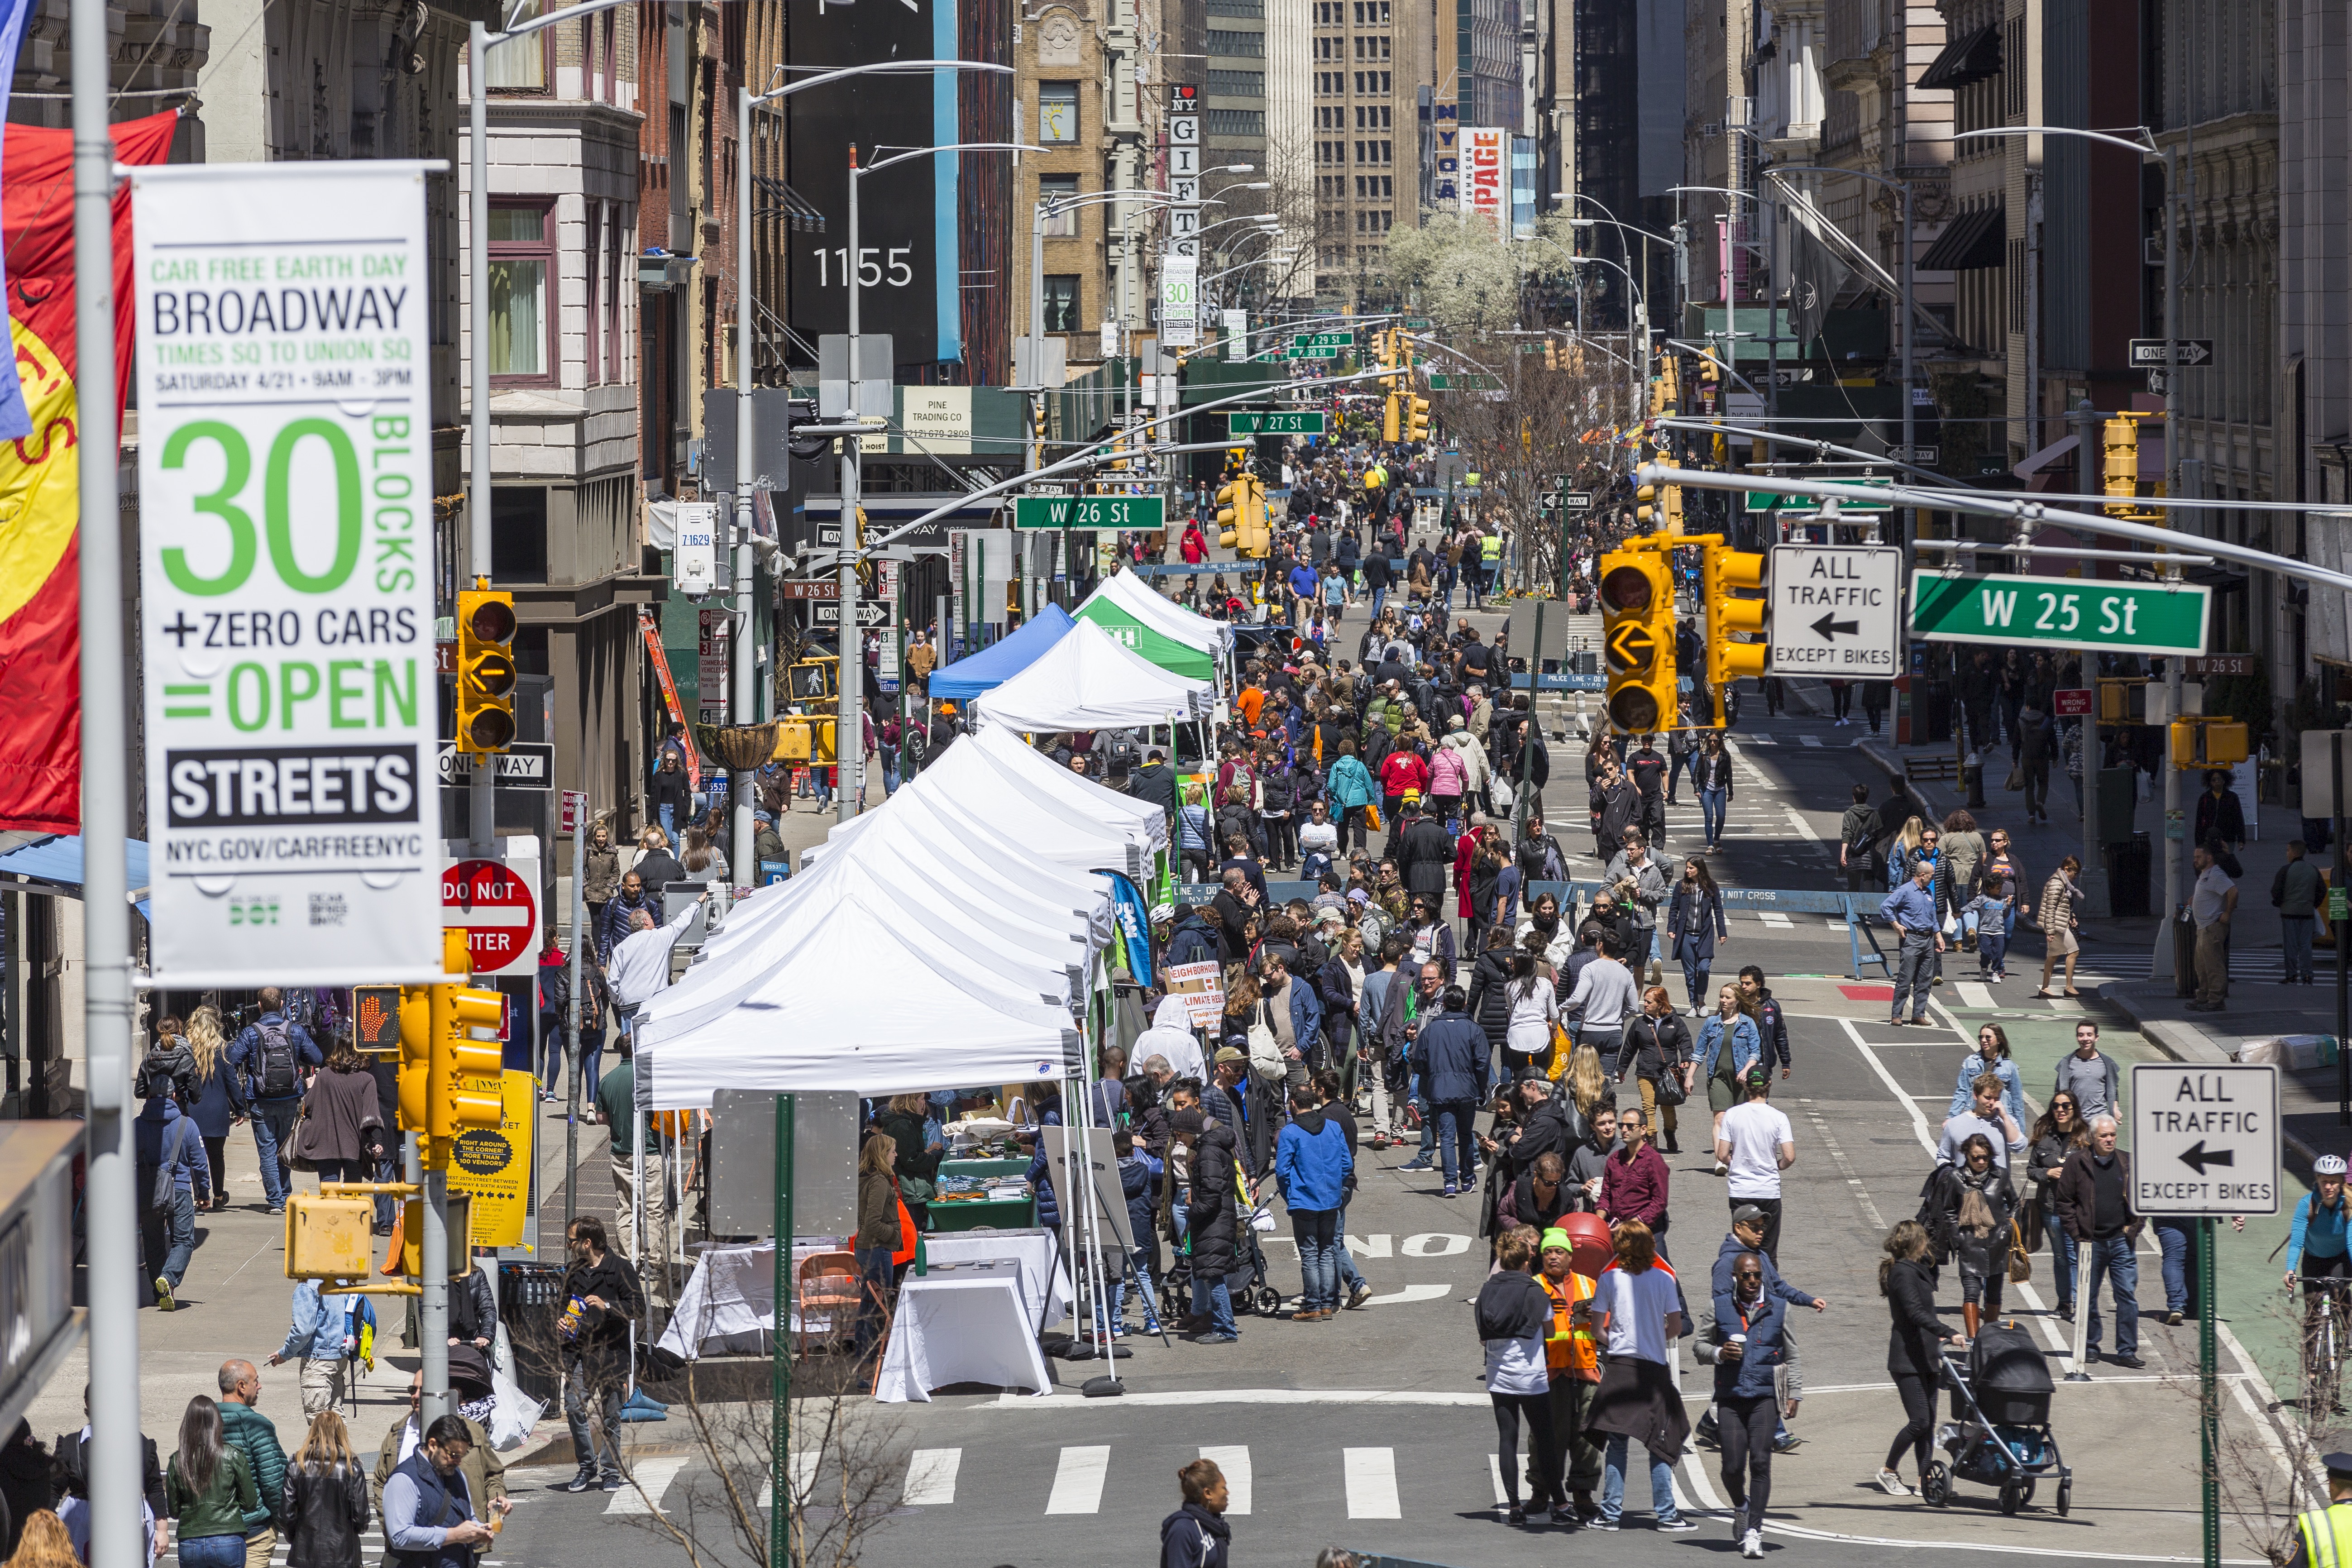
2148,354
2205,1139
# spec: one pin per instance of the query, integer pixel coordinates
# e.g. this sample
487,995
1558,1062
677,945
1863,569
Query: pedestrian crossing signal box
805,730
376,1019
329,1237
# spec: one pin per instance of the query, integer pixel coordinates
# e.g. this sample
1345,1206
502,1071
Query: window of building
519,65
1237,84
591,297
1057,112
1235,122
518,534
521,260
1061,301
1058,187
1233,45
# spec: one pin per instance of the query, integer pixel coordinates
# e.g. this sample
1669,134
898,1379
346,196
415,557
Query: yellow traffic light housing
1416,417
1392,417
1645,504
416,1076
461,1102
1637,608
1232,498
2203,743
1722,570
486,671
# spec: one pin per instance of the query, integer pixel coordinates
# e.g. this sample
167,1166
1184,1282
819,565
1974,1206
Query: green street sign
2059,611
1416,323
1469,381
1322,339
1764,501
1299,423
1089,511
2340,905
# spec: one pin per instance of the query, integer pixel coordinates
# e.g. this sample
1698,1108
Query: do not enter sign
496,908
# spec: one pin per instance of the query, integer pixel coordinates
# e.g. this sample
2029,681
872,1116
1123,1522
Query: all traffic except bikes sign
2205,1138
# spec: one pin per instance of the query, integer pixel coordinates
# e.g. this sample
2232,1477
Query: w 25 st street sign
2059,611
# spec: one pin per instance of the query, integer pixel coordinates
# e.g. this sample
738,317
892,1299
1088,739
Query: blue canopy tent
999,662
57,863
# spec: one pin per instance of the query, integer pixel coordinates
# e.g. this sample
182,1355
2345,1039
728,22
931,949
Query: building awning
798,210
1970,58
1969,242
57,863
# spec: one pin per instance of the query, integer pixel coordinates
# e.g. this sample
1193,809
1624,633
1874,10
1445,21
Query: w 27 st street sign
2059,611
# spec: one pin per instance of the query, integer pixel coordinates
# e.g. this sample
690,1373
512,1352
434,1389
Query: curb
2184,1042
1887,762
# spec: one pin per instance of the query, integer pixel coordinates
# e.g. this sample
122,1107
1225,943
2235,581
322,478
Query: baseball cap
1228,1053
1758,1074
1746,1213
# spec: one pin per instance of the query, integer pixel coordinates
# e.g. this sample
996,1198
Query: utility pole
850,673
746,704
2176,849
481,782
111,1199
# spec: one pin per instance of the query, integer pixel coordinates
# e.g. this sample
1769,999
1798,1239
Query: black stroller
1247,1285
1999,1432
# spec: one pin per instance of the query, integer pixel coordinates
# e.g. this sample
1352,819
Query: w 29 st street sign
2059,611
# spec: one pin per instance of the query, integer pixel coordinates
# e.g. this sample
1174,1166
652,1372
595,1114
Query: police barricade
1277,893
1576,900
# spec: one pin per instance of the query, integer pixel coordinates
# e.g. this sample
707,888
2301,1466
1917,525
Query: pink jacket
1446,773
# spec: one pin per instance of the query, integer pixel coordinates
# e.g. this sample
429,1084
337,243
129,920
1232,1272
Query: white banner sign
1179,285
1236,334
1486,188
286,546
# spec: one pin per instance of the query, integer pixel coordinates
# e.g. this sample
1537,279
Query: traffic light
485,670
2197,742
1645,505
1637,608
1416,416
1551,355
457,1103
1721,570
1231,498
416,1055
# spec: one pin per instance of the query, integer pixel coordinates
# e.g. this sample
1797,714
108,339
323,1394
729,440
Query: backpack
277,1078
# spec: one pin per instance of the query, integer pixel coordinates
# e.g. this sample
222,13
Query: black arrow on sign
2197,1157
1829,628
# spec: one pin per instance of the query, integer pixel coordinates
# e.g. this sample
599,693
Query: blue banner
1134,916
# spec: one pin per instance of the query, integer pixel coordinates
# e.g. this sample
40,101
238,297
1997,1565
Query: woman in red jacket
1634,1181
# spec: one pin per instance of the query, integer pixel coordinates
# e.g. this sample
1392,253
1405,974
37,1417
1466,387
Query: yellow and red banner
40,490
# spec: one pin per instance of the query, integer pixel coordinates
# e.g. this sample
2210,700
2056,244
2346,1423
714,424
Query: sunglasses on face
1749,1275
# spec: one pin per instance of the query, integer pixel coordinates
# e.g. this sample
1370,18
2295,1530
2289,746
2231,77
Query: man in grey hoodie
2090,1075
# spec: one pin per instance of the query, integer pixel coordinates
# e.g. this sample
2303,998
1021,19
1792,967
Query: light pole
2176,849
849,686
1638,301
1731,305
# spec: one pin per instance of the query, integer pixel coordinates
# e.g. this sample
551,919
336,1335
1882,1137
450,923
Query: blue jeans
273,1129
1995,954
1914,970
1694,979
2178,1239
2114,1257
1315,1230
1349,1277
669,820
1712,803
2294,935
1140,1258
1456,1129
1380,597
1212,1300
213,1551
386,1170
550,1043
183,1224
591,1064
1613,1483
2063,1263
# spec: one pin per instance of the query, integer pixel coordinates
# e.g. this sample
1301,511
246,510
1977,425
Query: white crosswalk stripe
931,1477
1234,1461
1974,994
1774,918
1809,740
1079,1481
1370,1475
653,1478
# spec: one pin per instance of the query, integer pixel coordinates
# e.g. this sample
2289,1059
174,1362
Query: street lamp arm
886,67
2145,148
1716,427
1708,353
1715,191
950,147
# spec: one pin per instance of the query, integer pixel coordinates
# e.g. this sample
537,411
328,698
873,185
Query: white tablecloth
730,1300
1045,1283
952,1329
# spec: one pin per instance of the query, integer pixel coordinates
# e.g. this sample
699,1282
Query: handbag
2020,1262
1371,817
2016,778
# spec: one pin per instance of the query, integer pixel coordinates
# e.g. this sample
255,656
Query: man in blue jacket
1454,1060
166,1140
1190,941
1311,1164
268,1056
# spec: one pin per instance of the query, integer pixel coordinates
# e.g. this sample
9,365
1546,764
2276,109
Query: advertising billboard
1486,173
907,242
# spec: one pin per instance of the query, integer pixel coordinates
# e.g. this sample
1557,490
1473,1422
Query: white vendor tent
1037,776
1091,680
1155,609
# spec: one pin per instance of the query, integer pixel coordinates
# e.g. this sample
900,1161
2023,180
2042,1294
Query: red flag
40,490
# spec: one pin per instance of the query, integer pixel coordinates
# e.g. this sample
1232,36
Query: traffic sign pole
2208,1393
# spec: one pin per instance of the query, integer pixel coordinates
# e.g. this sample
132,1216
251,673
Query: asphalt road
1374,1431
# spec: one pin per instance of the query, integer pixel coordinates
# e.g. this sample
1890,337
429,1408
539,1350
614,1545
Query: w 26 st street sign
1144,513
2059,611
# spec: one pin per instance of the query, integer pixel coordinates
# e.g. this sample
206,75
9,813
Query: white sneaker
1752,1544
1892,1484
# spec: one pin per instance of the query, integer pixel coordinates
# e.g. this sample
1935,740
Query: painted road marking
1235,1461
931,1477
1371,1483
1078,1482
653,1478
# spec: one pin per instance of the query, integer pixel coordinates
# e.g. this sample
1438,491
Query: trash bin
2128,871
530,1298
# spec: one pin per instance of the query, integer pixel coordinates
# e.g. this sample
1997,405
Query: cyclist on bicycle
2316,1242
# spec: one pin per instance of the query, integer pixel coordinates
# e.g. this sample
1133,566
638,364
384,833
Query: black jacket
1154,783
1490,992
1192,942
1651,1043
1425,860
602,1344
327,1507
1212,1217
1192,1537
1911,1301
